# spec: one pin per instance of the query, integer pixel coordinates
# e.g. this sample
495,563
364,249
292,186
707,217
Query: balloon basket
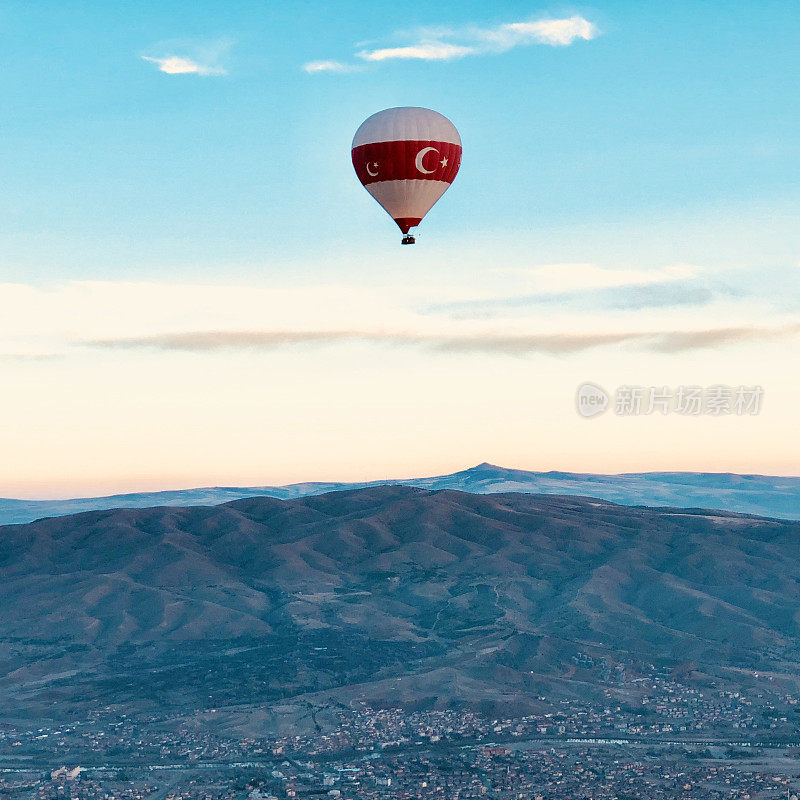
408,239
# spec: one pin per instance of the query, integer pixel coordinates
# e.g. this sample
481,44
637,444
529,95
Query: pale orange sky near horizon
115,393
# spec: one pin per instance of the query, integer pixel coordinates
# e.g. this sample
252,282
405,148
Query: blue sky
680,109
665,140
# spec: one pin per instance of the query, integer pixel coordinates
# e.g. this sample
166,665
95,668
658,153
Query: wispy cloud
178,65
448,44
678,341
499,343
185,57
29,356
573,276
207,341
207,318
425,51
658,295
555,32
635,297
313,67
586,287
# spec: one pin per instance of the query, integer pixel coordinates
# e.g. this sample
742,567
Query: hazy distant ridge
766,495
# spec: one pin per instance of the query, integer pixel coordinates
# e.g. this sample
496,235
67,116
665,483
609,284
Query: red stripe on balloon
406,223
408,160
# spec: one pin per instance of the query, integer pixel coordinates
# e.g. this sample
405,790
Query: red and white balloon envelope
406,158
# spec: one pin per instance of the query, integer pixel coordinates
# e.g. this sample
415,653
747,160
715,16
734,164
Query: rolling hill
386,594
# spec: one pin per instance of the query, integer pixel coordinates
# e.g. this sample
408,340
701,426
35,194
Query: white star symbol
444,162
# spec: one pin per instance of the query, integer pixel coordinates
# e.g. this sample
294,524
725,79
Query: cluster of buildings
491,772
647,737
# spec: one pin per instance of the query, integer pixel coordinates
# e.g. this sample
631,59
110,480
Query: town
679,742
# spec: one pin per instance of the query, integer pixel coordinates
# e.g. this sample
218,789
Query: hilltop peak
485,466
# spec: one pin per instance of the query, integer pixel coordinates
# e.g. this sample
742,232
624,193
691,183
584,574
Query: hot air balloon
406,158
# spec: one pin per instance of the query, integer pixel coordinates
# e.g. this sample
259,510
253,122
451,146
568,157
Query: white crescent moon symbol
373,174
420,156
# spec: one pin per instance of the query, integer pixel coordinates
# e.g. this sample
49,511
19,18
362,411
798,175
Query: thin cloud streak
189,56
33,357
555,32
430,51
694,340
314,67
451,44
658,295
178,65
634,297
209,341
507,344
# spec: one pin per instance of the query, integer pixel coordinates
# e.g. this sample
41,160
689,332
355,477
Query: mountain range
765,495
390,594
